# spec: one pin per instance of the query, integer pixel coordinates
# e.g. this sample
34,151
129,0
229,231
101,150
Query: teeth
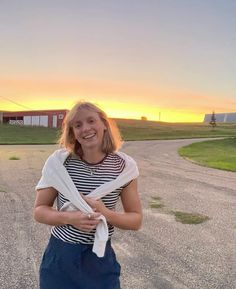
89,136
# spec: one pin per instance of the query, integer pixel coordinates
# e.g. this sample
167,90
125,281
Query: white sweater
55,175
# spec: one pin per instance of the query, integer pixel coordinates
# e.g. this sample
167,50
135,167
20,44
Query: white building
221,117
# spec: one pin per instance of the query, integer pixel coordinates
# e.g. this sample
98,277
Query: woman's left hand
96,205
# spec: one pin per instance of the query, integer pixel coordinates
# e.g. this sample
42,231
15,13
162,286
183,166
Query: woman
86,178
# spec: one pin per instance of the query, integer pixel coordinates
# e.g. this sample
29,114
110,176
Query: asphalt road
164,254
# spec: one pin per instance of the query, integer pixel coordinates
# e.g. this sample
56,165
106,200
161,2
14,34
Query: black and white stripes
86,178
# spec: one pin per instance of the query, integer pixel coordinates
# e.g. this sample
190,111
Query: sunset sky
168,60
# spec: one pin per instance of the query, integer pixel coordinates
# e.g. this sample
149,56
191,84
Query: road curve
164,254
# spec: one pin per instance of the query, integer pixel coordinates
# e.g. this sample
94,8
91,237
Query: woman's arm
46,214
131,218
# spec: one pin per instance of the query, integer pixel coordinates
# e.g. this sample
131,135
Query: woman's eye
91,121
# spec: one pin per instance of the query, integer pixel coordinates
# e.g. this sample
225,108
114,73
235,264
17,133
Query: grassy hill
148,130
130,130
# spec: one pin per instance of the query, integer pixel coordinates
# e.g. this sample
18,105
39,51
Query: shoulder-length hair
111,140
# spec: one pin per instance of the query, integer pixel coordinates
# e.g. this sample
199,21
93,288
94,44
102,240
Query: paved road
164,254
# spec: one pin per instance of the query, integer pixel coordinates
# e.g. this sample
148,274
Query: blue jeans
75,266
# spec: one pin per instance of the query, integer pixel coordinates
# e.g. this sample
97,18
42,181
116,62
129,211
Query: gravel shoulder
164,254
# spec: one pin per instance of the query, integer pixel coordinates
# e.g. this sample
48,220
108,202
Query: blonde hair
111,140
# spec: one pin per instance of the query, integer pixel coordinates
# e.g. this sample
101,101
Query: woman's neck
93,157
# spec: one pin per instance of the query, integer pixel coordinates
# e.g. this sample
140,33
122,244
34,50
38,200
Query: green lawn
13,134
130,130
148,130
220,154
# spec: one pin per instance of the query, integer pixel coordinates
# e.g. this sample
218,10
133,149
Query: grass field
13,134
220,154
148,130
130,130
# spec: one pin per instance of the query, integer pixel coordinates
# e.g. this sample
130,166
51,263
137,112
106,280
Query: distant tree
213,120
143,118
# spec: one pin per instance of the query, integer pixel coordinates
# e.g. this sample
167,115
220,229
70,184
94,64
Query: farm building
47,118
221,117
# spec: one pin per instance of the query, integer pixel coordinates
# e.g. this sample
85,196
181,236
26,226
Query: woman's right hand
46,214
82,221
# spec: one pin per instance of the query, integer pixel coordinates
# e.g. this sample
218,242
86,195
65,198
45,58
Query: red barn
47,118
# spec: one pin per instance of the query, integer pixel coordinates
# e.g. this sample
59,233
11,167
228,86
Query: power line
21,105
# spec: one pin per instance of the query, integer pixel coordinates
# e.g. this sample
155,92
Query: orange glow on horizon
114,110
135,99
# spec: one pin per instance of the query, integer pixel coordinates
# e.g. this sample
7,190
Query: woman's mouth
89,136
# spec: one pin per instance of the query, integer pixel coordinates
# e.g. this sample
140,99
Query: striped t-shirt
86,178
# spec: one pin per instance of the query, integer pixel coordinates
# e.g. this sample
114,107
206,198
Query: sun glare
113,110
135,111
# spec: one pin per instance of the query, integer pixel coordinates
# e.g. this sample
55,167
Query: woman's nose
85,127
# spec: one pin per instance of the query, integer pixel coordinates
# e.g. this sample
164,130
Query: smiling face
88,129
